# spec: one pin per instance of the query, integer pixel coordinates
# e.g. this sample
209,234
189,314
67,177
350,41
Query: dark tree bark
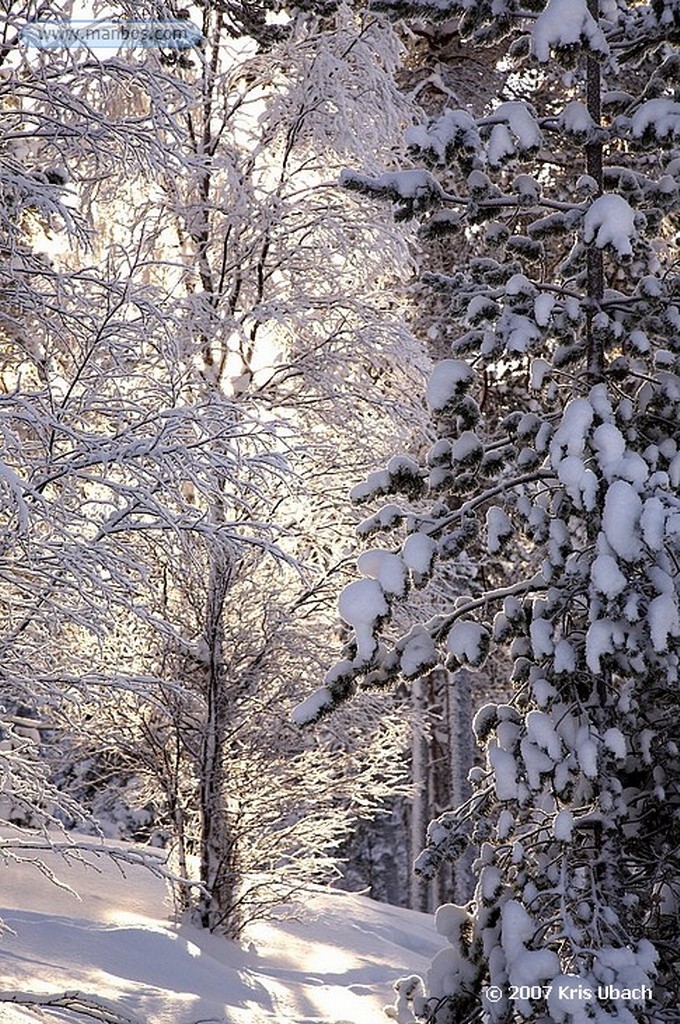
595,259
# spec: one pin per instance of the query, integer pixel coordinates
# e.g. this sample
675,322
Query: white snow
610,221
526,185
567,998
361,604
308,709
362,601
490,882
599,641
448,971
498,528
541,731
621,520
579,482
375,483
467,447
484,720
519,331
565,657
645,740
586,753
500,145
539,367
664,620
525,966
519,284
610,445
454,126
418,552
627,967
653,523
523,124
661,115
536,763
563,826
575,118
506,824
335,964
586,183
542,690
419,653
478,304
639,341
402,464
386,567
566,23
607,577
449,921
386,517
449,378
543,307
633,468
674,471
505,772
412,184
613,458
467,641
541,632
615,741
574,426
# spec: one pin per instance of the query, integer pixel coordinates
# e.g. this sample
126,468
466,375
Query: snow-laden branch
79,1004
440,624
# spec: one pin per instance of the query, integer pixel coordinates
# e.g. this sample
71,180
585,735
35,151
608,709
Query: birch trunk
218,907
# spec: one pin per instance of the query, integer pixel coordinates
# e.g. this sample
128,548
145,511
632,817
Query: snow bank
118,943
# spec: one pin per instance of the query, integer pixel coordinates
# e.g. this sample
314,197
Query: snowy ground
117,942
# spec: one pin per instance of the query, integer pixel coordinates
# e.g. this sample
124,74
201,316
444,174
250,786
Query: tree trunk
420,808
459,714
595,260
218,908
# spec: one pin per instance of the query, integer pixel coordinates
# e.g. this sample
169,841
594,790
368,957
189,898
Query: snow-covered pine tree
572,324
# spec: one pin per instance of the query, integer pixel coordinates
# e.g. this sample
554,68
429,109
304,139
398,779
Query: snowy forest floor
118,942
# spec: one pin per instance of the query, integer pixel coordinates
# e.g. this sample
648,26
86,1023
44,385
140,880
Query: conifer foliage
557,416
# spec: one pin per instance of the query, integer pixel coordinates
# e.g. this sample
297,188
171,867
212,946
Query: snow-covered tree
88,437
557,413
281,313
244,311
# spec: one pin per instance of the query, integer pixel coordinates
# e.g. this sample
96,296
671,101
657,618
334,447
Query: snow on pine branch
412,192
611,221
567,25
